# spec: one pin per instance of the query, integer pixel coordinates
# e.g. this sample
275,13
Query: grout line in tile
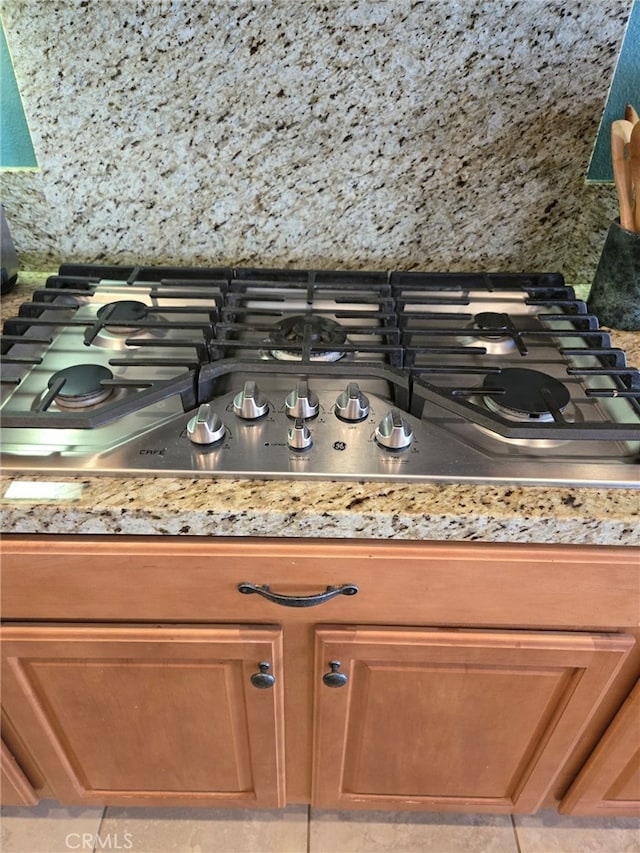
309,828
97,835
515,834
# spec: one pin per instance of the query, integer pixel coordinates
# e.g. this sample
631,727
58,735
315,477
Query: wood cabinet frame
15,788
609,783
191,581
452,720
149,715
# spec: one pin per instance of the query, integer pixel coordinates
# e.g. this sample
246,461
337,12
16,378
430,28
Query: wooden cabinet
149,715
609,783
479,677
15,788
441,719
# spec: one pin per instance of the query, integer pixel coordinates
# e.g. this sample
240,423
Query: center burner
301,331
523,394
80,386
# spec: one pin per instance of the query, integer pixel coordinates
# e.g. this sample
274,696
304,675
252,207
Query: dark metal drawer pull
298,600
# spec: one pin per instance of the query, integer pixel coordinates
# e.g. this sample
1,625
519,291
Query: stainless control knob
206,426
299,436
393,432
302,402
249,403
352,405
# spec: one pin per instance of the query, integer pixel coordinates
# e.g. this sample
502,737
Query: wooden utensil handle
620,144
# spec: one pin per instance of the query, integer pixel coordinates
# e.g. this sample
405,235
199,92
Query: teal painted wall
625,89
16,148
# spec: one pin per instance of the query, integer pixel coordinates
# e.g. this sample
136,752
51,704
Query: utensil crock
615,293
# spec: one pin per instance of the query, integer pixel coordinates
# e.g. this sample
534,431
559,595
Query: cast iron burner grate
309,316
452,363
443,341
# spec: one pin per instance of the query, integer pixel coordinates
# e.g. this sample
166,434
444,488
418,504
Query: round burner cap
322,330
323,333
82,385
127,311
491,321
528,392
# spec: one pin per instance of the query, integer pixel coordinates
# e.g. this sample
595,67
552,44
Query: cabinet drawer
182,579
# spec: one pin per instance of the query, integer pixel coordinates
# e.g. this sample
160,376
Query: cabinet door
455,720
609,783
149,715
15,788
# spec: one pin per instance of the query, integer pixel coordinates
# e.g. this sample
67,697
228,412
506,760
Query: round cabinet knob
206,426
335,678
299,436
302,402
393,432
249,403
352,405
263,679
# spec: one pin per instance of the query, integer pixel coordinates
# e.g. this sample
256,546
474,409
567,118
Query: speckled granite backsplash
345,133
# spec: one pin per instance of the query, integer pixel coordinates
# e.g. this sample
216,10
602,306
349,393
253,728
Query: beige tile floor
50,828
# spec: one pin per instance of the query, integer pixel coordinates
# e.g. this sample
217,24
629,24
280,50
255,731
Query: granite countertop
197,507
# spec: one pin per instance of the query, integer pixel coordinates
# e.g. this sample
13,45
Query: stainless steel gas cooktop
316,374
